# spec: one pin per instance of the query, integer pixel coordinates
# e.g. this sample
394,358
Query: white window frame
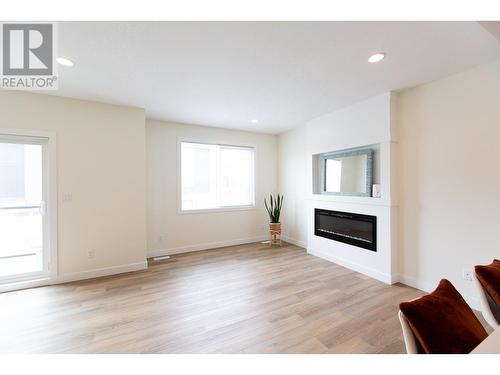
49,168
181,140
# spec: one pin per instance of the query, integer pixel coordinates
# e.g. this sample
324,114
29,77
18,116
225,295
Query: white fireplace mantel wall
370,122
447,223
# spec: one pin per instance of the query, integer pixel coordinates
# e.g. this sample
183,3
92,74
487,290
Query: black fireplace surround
353,229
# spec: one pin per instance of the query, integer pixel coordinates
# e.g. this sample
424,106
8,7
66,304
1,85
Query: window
12,171
216,176
23,223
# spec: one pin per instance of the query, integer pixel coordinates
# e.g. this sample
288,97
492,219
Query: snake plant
274,208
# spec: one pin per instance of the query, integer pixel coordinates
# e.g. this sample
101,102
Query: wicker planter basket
275,233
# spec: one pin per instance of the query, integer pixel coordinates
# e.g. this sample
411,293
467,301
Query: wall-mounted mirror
348,172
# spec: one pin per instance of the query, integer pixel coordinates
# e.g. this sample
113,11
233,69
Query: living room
265,187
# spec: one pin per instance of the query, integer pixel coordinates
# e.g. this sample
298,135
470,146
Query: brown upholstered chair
487,281
440,323
411,342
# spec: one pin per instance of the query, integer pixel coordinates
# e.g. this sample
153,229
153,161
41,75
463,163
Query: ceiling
282,73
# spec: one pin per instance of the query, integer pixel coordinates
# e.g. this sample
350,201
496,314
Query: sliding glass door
24,251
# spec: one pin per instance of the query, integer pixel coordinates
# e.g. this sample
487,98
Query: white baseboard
24,285
205,246
75,276
429,287
294,241
354,266
107,271
415,283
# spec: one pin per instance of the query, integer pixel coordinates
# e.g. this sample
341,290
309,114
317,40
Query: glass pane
236,186
346,174
21,223
199,176
333,174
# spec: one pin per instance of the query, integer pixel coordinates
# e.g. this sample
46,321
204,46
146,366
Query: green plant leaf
274,207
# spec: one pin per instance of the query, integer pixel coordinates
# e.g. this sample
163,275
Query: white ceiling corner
282,73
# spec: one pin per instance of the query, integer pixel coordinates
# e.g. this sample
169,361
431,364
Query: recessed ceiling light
64,61
255,121
376,57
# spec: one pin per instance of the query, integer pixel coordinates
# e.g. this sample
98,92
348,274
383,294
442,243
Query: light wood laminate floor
239,299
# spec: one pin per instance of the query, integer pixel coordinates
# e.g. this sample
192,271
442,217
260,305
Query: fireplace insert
351,228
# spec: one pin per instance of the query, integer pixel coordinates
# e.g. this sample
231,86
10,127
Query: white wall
449,161
172,232
101,162
445,210
293,184
365,123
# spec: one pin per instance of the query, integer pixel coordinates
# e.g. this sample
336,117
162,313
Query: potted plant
274,211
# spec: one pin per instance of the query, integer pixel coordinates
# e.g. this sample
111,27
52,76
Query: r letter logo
28,56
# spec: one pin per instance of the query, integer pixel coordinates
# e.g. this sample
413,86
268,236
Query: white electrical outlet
467,275
67,197
91,254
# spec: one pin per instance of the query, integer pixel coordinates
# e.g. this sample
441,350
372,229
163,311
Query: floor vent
159,259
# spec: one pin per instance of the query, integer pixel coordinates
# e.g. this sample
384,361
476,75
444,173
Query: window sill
213,210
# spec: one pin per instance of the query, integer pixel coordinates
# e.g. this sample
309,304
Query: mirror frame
369,171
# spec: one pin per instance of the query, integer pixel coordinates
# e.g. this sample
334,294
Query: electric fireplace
351,228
